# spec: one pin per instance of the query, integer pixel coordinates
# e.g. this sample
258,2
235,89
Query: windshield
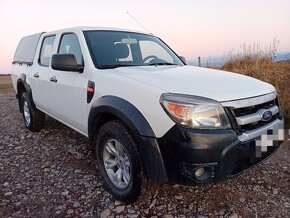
111,49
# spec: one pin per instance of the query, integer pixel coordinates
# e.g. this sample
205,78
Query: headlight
195,112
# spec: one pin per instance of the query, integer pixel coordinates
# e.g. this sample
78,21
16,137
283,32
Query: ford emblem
267,115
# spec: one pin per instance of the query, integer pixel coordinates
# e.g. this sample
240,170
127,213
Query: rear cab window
46,51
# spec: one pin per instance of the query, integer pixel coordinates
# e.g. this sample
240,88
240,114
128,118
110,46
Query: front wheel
33,118
119,162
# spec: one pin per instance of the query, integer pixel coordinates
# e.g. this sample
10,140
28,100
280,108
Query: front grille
256,125
233,121
253,109
234,113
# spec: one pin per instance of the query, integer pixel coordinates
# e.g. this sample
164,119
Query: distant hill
6,74
218,61
282,57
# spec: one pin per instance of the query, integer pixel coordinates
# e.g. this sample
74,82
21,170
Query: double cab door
61,94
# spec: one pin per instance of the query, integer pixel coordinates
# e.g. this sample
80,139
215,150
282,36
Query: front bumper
219,153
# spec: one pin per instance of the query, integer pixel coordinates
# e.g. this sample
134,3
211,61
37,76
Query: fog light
202,173
199,172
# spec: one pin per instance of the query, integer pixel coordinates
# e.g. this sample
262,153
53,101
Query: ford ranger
148,115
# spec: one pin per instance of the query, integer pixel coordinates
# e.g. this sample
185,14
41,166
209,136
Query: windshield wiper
162,63
112,66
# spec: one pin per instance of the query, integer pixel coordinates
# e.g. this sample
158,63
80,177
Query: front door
69,89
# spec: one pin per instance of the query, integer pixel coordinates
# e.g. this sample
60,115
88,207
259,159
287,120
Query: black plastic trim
184,149
233,121
22,80
195,146
140,128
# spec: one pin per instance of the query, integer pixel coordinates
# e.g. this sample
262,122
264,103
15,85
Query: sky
192,28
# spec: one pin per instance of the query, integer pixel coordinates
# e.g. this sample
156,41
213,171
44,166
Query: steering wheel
149,57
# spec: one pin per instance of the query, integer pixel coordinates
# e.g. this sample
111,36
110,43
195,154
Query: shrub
262,67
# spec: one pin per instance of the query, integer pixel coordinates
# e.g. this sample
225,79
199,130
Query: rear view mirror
129,41
65,62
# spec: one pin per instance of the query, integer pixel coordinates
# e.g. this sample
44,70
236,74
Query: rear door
68,92
40,83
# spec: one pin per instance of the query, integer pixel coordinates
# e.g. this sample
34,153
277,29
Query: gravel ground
51,174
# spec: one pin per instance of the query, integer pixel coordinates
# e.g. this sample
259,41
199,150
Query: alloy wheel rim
117,163
26,111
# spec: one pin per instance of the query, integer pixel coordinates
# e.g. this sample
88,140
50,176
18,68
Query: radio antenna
139,23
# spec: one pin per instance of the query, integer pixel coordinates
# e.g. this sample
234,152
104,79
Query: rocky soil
52,174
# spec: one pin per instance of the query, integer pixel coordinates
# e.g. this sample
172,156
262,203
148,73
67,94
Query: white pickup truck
148,115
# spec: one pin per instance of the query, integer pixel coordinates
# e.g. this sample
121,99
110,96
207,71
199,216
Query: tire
119,162
33,118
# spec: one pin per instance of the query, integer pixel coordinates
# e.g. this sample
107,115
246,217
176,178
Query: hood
210,83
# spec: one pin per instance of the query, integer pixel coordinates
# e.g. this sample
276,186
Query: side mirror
65,62
183,59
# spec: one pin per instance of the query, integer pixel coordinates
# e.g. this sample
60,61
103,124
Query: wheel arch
23,86
109,108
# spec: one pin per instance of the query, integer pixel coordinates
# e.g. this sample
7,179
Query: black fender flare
139,127
22,80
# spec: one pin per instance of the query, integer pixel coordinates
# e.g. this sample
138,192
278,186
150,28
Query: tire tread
142,184
37,117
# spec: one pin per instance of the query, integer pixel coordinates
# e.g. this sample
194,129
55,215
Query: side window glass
70,45
46,50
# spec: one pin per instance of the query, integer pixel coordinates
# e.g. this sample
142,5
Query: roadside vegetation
254,62
5,83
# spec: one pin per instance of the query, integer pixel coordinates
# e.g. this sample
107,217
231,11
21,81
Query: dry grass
5,83
262,67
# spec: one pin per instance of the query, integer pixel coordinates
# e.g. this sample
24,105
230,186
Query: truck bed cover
25,51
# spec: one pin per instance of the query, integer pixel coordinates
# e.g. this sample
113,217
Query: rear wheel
119,162
33,118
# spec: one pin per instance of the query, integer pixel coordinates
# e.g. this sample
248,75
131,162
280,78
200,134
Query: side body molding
110,107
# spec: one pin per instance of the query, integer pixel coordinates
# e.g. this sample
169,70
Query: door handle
53,79
36,75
